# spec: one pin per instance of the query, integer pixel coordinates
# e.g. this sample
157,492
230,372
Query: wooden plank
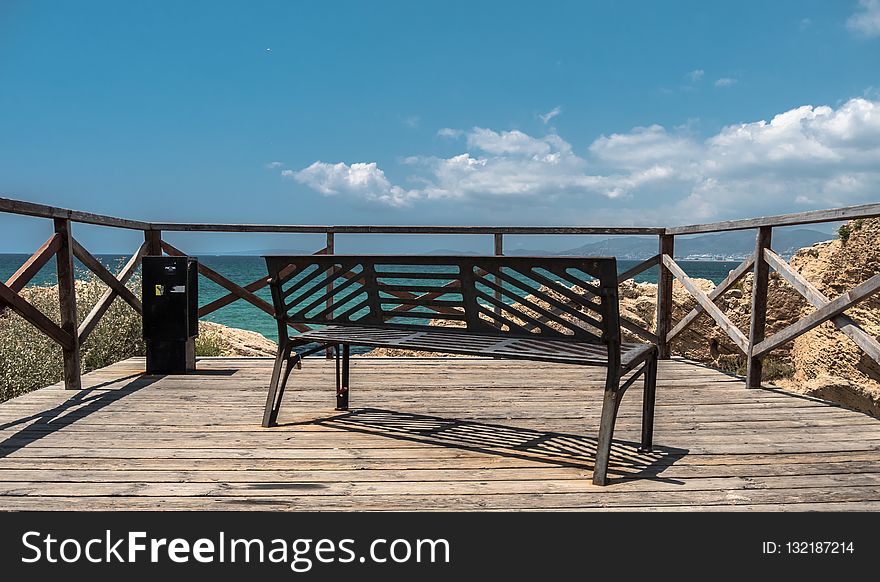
330,249
116,285
32,266
637,329
232,297
810,217
67,304
719,290
664,297
498,240
34,316
822,314
388,229
42,210
638,269
463,503
758,317
514,438
216,277
153,239
91,320
708,305
842,322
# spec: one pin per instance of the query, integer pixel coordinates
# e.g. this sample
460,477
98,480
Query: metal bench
551,309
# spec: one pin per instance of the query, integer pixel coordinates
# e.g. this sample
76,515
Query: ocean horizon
243,269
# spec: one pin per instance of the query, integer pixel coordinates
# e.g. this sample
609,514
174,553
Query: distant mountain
451,252
261,252
530,253
717,246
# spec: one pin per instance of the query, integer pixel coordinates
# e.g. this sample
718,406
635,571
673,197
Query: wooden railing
754,345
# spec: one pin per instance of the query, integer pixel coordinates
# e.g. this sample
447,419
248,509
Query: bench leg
648,404
610,405
342,379
276,386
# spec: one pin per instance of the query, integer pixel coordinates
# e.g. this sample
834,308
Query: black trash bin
170,297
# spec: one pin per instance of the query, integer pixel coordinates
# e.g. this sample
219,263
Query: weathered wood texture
829,310
809,217
67,303
43,211
427,434
817,299
758,319
664,296
12,206
716,293
32,266
109,279
708,305
393,229
91,320
235,289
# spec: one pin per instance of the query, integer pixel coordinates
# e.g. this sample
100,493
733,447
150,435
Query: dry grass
30,360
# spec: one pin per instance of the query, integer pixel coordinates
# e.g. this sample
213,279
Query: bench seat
460,342
552,309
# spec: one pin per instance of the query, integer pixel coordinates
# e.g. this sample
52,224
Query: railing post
499,251
328,353
760,284
67,304
153,238
664,296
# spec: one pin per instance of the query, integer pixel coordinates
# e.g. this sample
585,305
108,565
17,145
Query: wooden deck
427,434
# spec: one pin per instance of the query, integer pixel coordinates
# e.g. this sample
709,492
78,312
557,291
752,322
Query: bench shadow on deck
427,434
565,450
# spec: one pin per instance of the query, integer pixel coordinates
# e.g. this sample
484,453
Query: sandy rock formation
236,342
826,363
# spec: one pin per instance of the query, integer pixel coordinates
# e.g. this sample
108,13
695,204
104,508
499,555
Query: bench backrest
571,298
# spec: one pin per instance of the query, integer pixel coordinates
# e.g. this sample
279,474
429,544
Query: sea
245,269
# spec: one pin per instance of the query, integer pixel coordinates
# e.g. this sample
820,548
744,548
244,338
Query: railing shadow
554,448
80,404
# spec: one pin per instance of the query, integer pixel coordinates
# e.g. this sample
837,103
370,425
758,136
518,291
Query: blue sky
437,112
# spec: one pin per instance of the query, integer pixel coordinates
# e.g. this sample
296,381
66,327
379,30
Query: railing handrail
13,206
793,219
69,336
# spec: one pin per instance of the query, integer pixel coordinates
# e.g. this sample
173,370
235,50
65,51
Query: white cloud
725,82
816,156
451,133
274,165
643,146
866,20
363,180
514,142
806,23
412,121
695,75
546,117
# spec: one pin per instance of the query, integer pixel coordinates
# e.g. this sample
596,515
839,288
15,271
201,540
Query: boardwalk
427,434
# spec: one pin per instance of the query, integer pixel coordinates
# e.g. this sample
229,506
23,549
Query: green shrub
209,345
30,360
844,231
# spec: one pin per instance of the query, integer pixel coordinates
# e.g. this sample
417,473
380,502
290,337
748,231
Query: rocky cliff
220,340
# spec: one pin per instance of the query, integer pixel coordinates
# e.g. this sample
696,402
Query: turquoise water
243,270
